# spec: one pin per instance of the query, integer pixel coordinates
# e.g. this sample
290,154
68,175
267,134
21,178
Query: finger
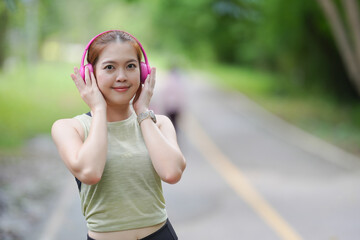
153,77
146,82
93,80
78,80
77,73
87,76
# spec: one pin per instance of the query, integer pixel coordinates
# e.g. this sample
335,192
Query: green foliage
295,39
31,100
291,37
205,29
288,38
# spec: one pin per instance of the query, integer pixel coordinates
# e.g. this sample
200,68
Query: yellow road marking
237,180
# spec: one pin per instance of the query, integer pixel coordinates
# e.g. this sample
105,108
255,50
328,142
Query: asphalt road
249,176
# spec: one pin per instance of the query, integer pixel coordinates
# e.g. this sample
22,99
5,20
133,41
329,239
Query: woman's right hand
89,90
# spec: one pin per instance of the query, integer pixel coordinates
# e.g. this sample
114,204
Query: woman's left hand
143,101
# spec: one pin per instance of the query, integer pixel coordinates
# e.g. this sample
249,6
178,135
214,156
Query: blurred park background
298,59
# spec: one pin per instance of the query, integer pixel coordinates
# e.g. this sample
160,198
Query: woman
120,152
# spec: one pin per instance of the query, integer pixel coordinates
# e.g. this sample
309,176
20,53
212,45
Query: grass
32,98
321,115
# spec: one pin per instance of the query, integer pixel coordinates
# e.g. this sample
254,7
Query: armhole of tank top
78,182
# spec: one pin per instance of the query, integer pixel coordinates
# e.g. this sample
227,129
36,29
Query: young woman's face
118,73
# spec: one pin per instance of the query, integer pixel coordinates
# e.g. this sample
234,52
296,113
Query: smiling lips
121,88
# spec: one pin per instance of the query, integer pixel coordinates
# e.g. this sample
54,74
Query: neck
118,113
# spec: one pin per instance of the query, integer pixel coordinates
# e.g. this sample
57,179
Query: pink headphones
144,67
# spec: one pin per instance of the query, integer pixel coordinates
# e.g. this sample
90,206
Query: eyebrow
112,61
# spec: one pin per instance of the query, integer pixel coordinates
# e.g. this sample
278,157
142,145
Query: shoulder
164,123
162,120
167,128
66,125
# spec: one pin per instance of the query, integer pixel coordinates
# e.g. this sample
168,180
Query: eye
109,67
131,66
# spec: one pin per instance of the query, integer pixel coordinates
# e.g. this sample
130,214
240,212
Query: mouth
121,88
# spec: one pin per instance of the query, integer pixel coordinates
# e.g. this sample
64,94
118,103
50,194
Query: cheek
134,78
102,77
136,88
138,83
102,81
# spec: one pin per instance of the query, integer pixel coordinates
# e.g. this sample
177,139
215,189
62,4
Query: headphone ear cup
144,72
82,70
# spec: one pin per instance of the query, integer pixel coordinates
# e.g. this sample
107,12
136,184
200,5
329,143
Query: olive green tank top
129,194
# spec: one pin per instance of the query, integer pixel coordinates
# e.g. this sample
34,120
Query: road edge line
237,180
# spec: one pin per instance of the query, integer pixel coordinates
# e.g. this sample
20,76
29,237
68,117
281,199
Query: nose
121,75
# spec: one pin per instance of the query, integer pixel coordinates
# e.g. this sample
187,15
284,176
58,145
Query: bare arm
85,158
160,138
166,156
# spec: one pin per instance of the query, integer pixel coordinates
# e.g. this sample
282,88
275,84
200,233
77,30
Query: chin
119,102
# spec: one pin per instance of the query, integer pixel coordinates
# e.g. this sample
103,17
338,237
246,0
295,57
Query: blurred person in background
173,95
120,151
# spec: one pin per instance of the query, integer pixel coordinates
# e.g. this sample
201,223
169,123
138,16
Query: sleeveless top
129,194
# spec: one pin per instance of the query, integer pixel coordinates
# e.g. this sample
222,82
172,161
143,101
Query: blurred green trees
293,38
42,40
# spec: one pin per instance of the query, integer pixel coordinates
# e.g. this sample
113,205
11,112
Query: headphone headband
93,39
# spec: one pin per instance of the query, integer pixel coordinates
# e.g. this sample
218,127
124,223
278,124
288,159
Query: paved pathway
249,176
